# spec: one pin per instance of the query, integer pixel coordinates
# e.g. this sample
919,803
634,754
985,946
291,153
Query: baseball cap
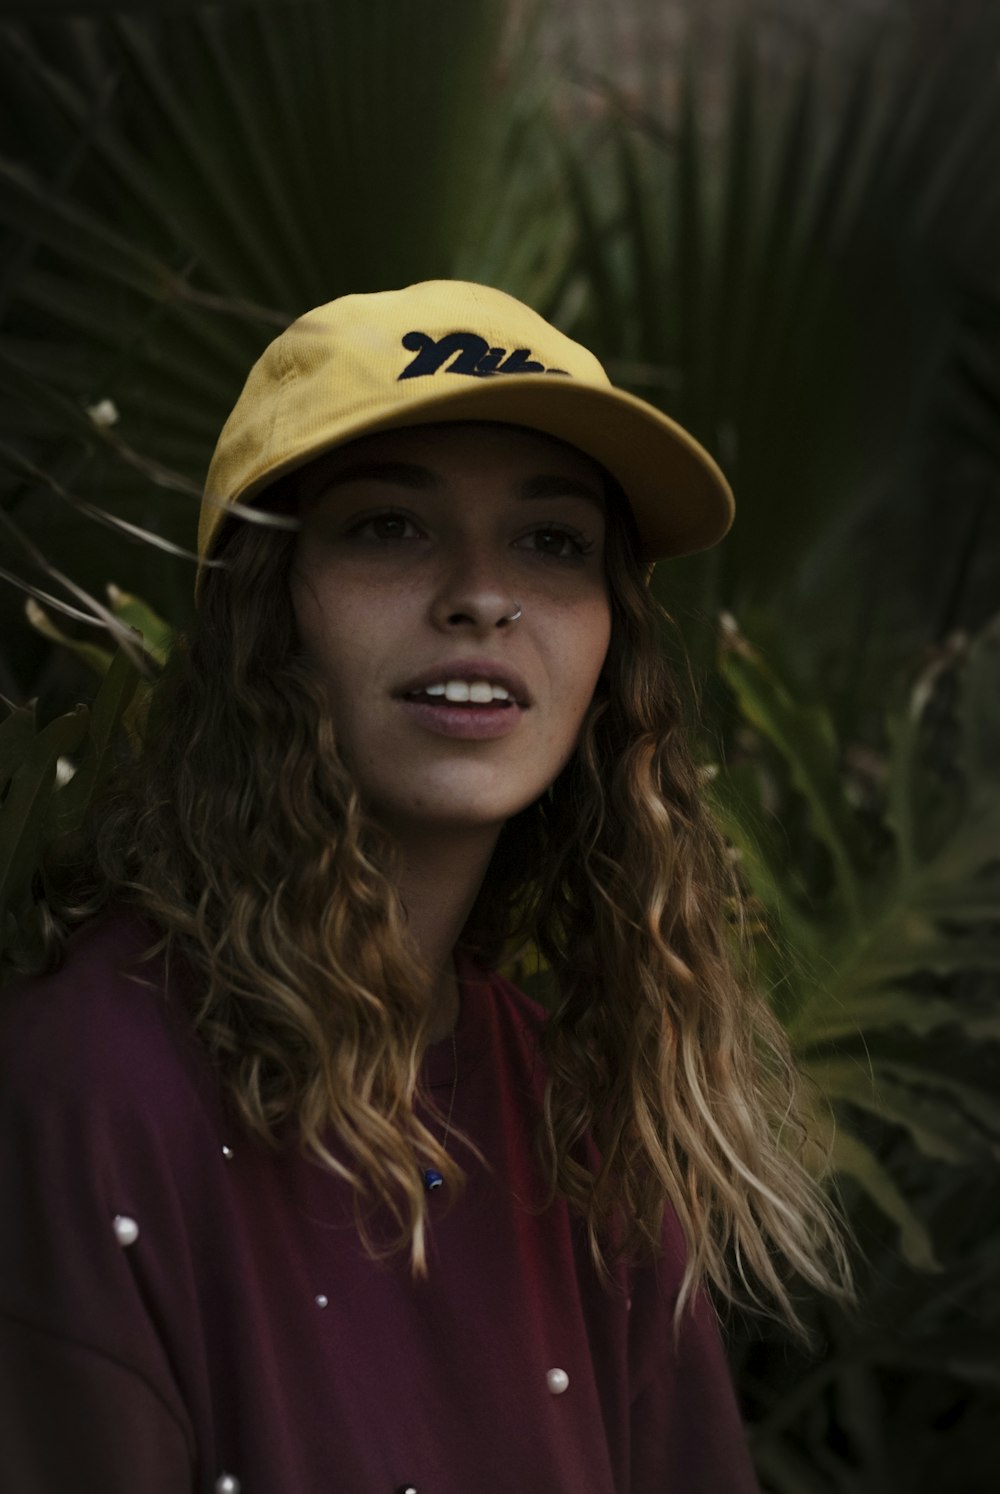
447,350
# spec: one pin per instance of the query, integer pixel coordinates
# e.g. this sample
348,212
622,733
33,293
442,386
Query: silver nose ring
513,617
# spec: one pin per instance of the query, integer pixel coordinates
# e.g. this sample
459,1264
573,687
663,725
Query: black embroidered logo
470,354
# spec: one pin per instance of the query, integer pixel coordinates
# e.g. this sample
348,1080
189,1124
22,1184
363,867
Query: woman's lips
473,723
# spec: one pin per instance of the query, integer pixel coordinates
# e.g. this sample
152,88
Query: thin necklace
432,1178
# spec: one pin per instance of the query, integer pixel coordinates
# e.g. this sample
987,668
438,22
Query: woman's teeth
479,692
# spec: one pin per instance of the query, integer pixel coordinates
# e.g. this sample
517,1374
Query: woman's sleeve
72,1419
687,1434
89,1403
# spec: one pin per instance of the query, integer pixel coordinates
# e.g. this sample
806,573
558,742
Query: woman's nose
476,595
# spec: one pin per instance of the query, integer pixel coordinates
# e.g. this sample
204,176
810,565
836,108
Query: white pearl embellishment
322,1301
227,1152
557,1380
126,1230
226,1484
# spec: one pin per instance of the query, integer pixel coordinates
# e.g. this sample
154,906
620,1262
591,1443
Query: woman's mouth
475,710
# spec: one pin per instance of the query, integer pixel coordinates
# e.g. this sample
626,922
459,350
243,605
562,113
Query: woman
311,1198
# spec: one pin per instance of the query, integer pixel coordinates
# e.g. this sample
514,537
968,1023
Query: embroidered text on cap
475,357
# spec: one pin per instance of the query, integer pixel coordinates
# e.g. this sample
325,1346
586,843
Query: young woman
300,1195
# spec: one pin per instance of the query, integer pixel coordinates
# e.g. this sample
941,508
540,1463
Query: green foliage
878,897
49,777
129,611
44,795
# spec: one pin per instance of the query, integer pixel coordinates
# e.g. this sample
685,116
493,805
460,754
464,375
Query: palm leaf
854,1159
803,239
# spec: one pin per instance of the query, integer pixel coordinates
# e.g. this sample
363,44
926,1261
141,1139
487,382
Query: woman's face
417,548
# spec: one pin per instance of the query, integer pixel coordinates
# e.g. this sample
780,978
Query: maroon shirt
244,1332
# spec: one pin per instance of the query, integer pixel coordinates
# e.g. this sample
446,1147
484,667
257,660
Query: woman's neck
439,879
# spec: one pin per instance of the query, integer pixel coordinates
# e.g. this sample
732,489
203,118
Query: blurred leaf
804,736
25,810
938,1129
71,801
17,733
856,1160
92,654
156,634
38,808
870,1009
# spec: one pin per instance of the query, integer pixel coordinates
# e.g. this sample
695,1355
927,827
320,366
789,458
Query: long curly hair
239,831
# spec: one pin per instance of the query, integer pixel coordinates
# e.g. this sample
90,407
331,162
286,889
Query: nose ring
513,617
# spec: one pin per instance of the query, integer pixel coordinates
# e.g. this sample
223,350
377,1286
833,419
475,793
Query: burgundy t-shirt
243,1340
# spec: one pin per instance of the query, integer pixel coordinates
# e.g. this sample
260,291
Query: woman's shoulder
100,1032
98,993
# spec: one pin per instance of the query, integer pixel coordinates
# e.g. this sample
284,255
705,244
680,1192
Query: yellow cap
448,350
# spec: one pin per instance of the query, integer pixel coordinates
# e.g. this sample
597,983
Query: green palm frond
783,260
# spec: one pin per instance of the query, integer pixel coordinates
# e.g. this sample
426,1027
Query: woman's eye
384,527
559,543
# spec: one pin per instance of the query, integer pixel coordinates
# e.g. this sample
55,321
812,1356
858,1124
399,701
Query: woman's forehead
470,442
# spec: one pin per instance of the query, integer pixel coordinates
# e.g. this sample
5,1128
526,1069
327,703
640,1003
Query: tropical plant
50,775
40,803
876,875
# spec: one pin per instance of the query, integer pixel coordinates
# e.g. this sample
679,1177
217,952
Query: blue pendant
432,1179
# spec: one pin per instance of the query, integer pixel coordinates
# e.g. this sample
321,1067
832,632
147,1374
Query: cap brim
681,500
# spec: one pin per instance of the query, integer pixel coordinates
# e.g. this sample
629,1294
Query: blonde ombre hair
239,831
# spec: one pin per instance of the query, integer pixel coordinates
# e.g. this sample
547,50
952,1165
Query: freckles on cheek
593,657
